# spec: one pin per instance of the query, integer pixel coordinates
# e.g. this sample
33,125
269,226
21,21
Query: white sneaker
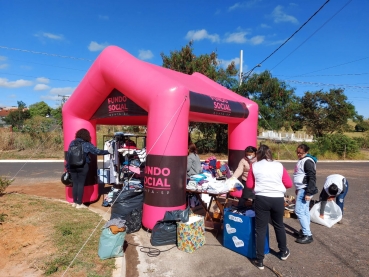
81,206
74,205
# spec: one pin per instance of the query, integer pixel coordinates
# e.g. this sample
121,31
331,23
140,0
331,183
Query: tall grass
50,145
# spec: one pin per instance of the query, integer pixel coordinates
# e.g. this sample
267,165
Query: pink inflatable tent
120,89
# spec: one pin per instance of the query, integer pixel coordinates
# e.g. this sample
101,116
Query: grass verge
58,233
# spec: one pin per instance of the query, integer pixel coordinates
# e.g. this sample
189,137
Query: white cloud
225,63
243,5
239,37
257,40
264,25
12,96
49,36
145,54
62,91
103,17
276,42
94,46
26,67
280,16
39,87
3,66
50,97
15,84
200,35
52,36
234,7
43,80
3,58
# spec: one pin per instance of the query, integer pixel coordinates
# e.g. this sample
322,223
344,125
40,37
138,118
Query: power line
295,32
49,65
39,76
325,75
323,84
311,35
44,53
329,67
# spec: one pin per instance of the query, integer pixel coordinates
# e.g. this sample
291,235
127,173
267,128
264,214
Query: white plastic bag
233,184
332,214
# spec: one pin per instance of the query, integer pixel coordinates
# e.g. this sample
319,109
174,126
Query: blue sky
46,47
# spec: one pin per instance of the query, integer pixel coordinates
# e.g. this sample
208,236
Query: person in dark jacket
304,179
79,174
335,188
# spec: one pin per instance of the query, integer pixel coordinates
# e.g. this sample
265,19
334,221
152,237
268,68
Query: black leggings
265,208
79,175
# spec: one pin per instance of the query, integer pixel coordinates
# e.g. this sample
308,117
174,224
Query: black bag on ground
127,205
76,157
164,233
177,215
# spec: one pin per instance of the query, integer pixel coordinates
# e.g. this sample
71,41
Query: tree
278,104
16,118
39,108
362,126
187,62
326,112
57,115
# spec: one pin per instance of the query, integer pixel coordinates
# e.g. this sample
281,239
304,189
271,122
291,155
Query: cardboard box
239,234
191,234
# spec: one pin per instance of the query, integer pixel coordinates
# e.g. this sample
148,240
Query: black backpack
76,157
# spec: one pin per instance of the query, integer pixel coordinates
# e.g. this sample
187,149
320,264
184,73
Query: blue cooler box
239,234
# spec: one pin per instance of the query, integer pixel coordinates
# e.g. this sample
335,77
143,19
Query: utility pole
241,63
64,98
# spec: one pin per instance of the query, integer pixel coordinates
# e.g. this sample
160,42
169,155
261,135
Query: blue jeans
302,212
340,198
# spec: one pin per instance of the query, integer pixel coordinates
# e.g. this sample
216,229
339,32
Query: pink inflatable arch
119,89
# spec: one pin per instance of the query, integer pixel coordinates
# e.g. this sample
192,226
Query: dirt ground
20,243
338,251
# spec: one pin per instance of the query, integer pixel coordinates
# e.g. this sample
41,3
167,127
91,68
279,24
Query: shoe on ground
298,234
305,239
284,255
81,206
74,205
259,264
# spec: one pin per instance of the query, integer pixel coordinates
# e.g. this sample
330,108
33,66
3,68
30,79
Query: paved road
52,170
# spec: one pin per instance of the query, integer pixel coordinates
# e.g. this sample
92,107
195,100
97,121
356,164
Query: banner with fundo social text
165,180
117,104
206,104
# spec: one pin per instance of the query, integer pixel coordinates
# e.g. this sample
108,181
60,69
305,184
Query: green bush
4,183
363,142
338,144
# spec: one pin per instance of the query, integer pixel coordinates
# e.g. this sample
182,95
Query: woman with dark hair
335,188
193,161
269,180
243,170
304,179
79,173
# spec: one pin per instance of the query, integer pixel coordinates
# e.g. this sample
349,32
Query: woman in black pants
269,179
79,173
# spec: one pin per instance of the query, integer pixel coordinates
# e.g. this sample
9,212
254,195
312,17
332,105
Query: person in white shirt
335,187
269,180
